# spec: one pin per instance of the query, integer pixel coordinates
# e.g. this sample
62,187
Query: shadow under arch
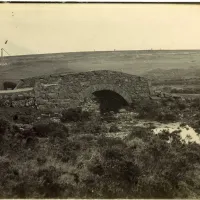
109,96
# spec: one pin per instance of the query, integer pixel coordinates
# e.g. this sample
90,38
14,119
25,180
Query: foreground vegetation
73,158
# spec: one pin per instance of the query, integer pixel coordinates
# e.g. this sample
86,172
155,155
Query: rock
55,120
52,95
122,110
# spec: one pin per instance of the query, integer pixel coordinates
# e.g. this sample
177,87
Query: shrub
182,105
26,116
195,103
74,115
108,117
139,132
67,149
114,129
50,187
71,114
107,141
154,186
167,116
86,115
92,127
48,128
148,108
164,111
115,166
4,125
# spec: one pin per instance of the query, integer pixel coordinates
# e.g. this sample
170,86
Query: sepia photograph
100,100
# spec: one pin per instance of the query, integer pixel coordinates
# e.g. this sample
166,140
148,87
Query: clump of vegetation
94,126
140,132
114,128
74,114
47,128
196,103
163,110
4,125
157,110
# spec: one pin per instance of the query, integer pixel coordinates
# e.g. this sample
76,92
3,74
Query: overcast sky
48,28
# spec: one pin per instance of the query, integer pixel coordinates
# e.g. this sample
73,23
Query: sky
54,28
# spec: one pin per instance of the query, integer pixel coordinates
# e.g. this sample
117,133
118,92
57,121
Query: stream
187,133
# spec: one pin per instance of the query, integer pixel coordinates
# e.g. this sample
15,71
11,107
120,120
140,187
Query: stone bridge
68,90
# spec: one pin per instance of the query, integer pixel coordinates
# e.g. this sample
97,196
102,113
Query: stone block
52,95
27,95
5,96
19,103
32,94
40,101
62,95
20,97
43,95
14,97
30,102
85,83
6,103
42,107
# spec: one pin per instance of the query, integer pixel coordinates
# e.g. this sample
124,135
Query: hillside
173,74
133,62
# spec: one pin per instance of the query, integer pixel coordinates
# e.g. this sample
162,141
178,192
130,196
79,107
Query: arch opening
109,100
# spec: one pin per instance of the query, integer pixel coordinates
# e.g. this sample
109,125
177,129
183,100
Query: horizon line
114,50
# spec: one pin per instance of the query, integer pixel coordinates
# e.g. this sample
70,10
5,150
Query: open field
133,62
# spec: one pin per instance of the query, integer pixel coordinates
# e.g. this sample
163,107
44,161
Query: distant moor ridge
14,68
62,91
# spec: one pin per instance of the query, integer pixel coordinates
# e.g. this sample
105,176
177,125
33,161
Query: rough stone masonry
62,91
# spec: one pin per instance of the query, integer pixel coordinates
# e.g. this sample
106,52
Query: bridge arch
88,93
109,97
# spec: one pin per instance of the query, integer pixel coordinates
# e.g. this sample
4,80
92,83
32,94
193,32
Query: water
187,133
